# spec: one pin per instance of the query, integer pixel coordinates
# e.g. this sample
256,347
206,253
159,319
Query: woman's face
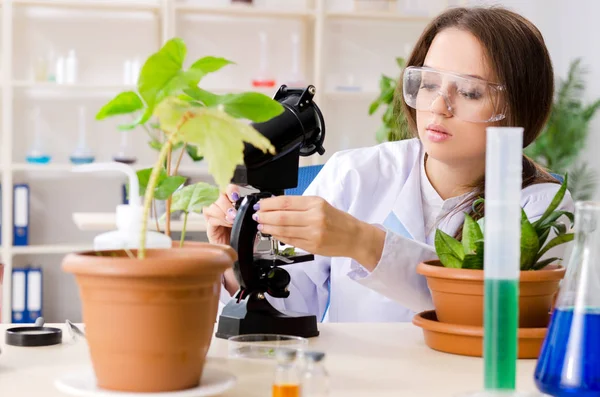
448,138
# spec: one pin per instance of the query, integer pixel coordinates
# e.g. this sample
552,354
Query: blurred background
61,60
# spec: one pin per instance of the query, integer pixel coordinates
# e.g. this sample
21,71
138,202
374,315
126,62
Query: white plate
83,383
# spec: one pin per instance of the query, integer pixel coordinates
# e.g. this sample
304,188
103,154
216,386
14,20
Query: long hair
517,53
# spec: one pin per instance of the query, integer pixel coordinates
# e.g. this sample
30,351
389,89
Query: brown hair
520,61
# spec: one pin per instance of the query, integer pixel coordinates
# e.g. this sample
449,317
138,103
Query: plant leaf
558,198
192,151
448,249
529,242
471,234
374,106
154,144
473,261
207,98
542,237
209,64
289,251
553,218
542,264
252,106
168,186
124,103
558,240
221,139
194,198
162,74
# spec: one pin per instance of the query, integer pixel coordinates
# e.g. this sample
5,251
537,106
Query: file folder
21,215
19,286
34,294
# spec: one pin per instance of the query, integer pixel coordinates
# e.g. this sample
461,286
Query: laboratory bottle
128,216
569,361
314,380
286,382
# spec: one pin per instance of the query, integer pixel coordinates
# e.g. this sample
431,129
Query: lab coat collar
406,217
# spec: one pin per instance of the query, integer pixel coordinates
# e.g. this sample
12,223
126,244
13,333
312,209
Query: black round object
33,336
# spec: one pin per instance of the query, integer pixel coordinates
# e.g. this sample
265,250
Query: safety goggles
465,97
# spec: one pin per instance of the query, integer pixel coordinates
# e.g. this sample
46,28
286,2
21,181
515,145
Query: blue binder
21,215
27,294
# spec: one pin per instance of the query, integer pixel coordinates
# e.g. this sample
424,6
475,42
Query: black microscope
298,131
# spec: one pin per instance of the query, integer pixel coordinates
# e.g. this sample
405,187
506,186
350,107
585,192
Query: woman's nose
440,105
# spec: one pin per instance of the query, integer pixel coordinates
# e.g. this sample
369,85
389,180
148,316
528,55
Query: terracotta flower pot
149,322
458,294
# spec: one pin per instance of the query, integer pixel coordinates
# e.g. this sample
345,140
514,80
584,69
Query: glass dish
263,346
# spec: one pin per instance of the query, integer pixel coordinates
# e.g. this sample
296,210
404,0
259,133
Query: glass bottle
126,152
82,154
37,154
286,382
569,362
315,378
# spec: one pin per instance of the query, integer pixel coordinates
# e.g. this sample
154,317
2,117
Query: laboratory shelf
48,249
106,221
118,5
376,15
188,170
244,11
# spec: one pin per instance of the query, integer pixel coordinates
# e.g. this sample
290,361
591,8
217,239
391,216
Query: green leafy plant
468,253
393,128
565,134
213,126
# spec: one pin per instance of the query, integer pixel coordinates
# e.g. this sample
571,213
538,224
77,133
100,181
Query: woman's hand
220,215
219,219
313,225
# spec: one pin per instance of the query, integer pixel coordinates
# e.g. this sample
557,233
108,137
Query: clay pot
149,322
458,294
466,340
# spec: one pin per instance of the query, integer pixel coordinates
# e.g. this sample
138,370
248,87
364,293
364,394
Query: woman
371,214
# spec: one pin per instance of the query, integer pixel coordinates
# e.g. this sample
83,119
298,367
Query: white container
71,66
128,216
60,70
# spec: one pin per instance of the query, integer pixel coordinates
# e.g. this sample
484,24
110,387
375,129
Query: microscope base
236,319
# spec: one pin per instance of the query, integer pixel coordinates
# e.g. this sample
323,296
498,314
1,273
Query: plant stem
168,223
150,195
155,215
179,159
185,216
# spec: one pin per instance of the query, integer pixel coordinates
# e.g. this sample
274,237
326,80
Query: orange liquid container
285,390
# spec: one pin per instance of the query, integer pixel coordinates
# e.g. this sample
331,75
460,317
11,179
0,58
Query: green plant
393,128
468,253
213,125
565,134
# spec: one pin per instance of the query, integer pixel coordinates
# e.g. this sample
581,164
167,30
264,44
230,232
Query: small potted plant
150,313
456,280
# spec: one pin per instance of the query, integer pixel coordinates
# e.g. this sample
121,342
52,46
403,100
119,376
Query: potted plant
456,280
149,313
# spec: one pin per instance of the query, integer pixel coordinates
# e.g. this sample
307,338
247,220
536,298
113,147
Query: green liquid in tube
501,319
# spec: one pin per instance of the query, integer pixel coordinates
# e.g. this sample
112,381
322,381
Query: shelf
190,170
106,221
376,15
118,5
49,249
245,11
360,95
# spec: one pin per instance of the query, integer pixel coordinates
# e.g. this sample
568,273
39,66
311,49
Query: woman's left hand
313,225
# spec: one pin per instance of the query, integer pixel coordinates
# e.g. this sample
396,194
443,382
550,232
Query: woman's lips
437,133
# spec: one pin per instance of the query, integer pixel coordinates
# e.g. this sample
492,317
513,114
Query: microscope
298,131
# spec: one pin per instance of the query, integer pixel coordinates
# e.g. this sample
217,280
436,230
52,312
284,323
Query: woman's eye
470,94
428,86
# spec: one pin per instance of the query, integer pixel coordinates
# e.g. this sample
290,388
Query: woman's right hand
220,215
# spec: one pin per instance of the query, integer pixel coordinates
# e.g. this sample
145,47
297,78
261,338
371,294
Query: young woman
371,214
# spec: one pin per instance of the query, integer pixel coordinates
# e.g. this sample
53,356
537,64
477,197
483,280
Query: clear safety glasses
467,98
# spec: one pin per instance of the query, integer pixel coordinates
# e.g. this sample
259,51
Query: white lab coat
380,185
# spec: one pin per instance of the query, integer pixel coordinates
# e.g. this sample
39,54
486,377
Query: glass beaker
569,362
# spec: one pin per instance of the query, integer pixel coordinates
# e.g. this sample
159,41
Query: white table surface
362,359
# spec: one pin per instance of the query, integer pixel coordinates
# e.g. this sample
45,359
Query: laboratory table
389,359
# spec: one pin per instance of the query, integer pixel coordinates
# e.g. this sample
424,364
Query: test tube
502,255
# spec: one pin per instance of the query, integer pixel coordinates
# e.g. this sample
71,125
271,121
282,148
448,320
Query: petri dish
263,346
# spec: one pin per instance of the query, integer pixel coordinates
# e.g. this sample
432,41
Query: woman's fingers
215,216
287,203
282,218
